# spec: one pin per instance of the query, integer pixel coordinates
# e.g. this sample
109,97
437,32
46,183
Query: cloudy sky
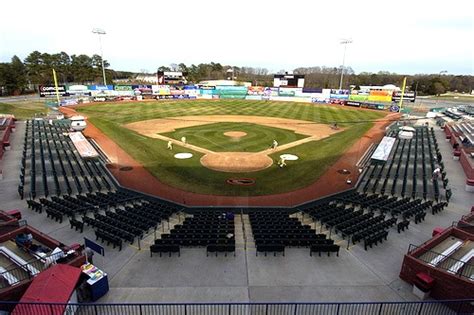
397,36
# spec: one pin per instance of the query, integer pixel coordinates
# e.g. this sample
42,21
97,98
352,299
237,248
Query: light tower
344,42
100,32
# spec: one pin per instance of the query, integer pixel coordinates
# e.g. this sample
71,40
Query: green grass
22,110
211,136
314,157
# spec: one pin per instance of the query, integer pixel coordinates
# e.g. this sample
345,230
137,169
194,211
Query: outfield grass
23,110
211,136
314,157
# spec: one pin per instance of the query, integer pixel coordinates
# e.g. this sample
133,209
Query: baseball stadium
185,174
233,206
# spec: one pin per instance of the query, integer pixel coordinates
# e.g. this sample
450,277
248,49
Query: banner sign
142,89
78,90
100,87
50,90
94,246
160,90
123,88
256,90
358,97
380,98
352,103
407,96
339,96
312,90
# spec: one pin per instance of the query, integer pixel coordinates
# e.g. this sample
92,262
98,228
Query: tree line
21,76
18,77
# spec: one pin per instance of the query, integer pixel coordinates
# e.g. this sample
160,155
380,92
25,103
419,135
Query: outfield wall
314,95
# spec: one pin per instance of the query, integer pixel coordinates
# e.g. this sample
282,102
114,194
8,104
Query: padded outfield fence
362,308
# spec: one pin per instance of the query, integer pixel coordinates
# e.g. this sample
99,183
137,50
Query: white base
456,158
7,148
469,188
420,294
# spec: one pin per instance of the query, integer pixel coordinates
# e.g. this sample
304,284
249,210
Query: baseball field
232,139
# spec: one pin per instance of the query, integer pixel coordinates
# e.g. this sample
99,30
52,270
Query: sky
406,37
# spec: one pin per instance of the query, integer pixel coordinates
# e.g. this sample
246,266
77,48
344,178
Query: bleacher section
51,165
273,230
409,170
360,217
211,229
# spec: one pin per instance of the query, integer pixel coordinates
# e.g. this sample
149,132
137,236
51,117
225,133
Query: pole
56,86
102,59
343,63
401,96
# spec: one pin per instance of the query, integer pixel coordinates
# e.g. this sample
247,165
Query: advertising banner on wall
407,96
289,91
359,98
100,87
78,90
191,90
142,89
339,96
50,90
254,97
160,90
225,91
123,90
256,90
352,103
380,98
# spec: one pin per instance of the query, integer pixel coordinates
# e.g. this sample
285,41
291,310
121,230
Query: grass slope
315,157
212,136
22,110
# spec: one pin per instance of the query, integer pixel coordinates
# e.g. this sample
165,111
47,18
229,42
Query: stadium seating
211,229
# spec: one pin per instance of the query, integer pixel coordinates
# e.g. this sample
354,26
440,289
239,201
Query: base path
329,183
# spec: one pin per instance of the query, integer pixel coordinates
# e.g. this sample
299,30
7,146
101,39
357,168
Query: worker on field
281,162
183,140
274,144
170,145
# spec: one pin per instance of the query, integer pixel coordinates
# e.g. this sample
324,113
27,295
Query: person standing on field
274,144
183,140
170,145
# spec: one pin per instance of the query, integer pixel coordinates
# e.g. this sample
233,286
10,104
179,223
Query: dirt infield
233,162
236,162
151,127
329,183
235,134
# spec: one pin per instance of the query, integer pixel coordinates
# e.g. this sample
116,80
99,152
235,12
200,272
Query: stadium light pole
344,42
99,32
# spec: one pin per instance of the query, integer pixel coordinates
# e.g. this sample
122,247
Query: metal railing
444,262
352,308
18,273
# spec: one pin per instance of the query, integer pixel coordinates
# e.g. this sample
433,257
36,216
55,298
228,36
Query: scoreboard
171,77
288,80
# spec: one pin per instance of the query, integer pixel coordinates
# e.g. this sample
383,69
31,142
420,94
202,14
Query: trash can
422,285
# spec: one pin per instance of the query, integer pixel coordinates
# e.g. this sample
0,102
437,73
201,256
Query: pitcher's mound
236,162
235,134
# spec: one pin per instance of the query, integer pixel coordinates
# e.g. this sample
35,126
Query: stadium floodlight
99,32
344,42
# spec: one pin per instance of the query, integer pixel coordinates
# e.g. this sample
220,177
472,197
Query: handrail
446,307
452,261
